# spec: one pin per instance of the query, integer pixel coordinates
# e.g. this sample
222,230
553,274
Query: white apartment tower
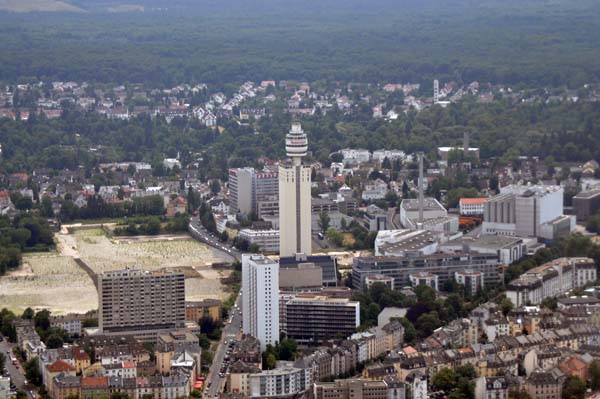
436,91
294,196
260,298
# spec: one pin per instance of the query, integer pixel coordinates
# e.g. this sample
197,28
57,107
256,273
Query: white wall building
551,279
405,243
375,190
267,240
260,298
355,156
527,211
472,206
283,381
392,155
295,197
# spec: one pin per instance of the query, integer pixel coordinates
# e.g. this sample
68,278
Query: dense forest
532,42
566,132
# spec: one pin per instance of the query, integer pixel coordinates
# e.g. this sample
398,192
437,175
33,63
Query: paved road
16,376
200,234
231,331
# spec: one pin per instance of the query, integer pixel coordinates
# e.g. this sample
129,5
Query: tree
32,371
594,373
119,395
287,349
271,361
54,341
28,314
324,221
518,393
215,186
506,305
574,388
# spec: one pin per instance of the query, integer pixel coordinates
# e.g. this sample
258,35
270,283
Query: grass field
54,281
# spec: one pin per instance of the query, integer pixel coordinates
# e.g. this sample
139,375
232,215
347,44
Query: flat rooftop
588,194
403,240
429,204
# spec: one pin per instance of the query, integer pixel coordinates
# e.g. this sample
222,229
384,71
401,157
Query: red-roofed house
82,359
177,205
94,387
54,369
575,367
472,206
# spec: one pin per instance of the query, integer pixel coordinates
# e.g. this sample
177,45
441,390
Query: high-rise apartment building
294,196
138,300
260,298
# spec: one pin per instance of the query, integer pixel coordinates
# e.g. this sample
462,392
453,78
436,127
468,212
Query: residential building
70,323
544,384
551,279
375,190
471,280
284,380
241,190
200,309
311,318
133,300
391,155
355,156
472,206
4,387
494,387
389,388
65,386
442,265
295,197
379,279
94,387
424,278
260,298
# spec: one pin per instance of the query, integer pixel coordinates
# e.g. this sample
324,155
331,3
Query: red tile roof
473,201
59,366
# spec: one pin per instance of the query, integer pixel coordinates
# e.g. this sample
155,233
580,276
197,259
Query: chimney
421,200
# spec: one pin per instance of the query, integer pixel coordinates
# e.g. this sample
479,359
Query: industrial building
405,243
509,249
527,211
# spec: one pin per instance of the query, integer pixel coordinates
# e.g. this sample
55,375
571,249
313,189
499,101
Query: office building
241,190
586,204
379,279
550,280
295,196
527,211
442,265
472,281
267,240
314,317
248,188
260,298
140,301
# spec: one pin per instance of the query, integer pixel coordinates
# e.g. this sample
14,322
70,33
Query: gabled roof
59,366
